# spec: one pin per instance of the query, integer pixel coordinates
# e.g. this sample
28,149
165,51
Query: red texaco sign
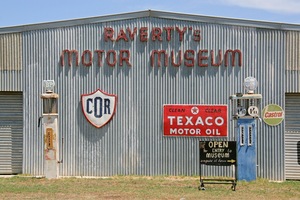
195,120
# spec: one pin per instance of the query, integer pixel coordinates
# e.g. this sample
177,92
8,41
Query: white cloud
278,6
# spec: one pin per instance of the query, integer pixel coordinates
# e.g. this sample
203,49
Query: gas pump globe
50,130
246,105
246,110
250,84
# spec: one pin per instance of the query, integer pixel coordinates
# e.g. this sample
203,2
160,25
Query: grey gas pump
245,108
50,130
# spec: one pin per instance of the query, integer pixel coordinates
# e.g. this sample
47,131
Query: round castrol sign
273,114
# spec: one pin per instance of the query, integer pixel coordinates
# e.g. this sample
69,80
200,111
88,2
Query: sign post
218,153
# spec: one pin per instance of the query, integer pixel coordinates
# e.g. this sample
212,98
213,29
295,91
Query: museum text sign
172,56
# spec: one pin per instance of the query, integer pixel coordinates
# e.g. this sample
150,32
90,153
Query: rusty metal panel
11,62
293,50
11,52
293,61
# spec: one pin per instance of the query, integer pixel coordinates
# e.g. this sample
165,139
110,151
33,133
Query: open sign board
221,153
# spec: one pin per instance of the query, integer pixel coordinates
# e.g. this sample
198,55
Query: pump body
246,149
245,108
51,135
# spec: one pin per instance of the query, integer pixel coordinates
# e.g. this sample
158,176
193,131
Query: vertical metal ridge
292,61
270,44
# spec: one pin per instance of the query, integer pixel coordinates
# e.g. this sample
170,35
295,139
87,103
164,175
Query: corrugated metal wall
11,132
292,136
293,61
39,64
11,62
270,45
292,129
133,142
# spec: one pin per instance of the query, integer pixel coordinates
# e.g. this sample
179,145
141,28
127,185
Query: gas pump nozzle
40,119
62,151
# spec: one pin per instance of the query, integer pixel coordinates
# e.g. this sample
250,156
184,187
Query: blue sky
20,12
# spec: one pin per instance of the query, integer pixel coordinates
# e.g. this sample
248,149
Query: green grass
138,187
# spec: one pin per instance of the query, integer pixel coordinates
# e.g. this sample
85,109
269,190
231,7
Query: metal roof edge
226,21
73,22
152,13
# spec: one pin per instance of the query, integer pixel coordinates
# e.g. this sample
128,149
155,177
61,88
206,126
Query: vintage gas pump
50,130
245,108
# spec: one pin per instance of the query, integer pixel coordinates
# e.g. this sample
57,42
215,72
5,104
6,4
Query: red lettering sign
159,57
195,120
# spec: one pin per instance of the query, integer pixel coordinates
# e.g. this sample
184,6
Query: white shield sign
98,107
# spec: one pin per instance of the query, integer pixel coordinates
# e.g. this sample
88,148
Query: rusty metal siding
293,50
11,62
293,61
133,142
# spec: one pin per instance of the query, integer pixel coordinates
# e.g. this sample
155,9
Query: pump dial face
253,111
241,111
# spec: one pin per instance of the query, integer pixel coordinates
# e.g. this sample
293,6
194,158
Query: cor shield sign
195,120
98,107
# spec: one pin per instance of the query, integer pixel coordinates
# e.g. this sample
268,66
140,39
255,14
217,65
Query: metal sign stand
218,153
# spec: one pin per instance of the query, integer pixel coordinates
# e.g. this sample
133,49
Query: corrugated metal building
133,142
